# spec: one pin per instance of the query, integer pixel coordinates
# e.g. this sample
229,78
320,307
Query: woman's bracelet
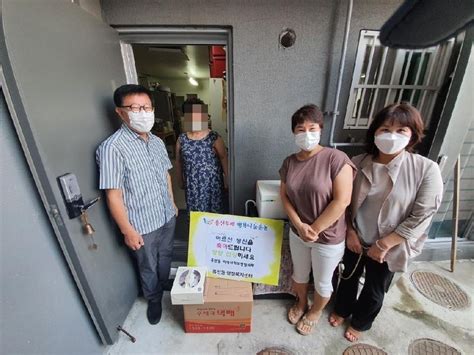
378,246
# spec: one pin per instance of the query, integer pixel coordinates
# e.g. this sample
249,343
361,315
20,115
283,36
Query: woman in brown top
316,187
396,193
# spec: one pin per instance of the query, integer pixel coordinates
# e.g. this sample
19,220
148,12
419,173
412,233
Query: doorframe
187,35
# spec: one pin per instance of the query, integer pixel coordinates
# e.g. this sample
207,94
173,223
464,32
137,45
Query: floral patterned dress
202,173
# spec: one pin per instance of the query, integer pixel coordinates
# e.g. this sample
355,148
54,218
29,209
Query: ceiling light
193,81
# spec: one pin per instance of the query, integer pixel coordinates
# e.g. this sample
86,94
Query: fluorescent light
193,81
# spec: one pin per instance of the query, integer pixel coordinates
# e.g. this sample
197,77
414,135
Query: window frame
431,82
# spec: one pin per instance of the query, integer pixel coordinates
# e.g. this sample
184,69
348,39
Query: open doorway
175,74
176,70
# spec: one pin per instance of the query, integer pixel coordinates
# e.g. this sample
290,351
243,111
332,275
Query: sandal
335,320
295,314
352,334
305,322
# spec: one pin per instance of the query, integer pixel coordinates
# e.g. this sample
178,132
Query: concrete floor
407,315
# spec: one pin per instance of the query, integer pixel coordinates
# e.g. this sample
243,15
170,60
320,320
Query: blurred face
195,118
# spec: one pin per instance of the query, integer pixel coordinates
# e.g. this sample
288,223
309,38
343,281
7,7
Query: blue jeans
154,259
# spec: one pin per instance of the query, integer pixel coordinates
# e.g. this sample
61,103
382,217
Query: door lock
75,204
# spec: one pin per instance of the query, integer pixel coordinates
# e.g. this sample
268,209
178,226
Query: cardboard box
188,285
227,308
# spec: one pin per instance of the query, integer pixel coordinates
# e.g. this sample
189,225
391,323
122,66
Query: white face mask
391,143
141,121
307,140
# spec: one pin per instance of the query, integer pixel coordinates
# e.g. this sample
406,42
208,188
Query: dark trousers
154,260
377,280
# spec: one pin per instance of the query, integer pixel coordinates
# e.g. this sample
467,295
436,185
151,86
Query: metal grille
363,349
384,75
427,346
440,290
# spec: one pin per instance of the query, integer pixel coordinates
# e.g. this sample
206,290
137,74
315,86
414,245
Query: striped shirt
140,170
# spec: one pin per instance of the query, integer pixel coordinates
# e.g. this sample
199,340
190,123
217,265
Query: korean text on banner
236,247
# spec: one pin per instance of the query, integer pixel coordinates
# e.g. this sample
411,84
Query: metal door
59,68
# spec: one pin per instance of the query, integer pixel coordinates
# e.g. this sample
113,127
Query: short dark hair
188,104
401,113
194,101
308,112
130,89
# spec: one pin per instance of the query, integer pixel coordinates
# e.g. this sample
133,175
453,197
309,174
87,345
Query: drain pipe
335,112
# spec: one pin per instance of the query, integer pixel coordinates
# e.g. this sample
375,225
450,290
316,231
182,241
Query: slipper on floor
335,320
295,314
305,323
352,334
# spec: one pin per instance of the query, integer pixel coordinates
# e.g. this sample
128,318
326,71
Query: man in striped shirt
134,173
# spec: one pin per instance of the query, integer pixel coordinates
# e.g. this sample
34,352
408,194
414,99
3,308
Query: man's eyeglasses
138,108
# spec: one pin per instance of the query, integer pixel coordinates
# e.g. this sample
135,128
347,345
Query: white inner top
368,214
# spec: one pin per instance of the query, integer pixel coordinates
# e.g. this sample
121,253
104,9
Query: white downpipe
335,111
